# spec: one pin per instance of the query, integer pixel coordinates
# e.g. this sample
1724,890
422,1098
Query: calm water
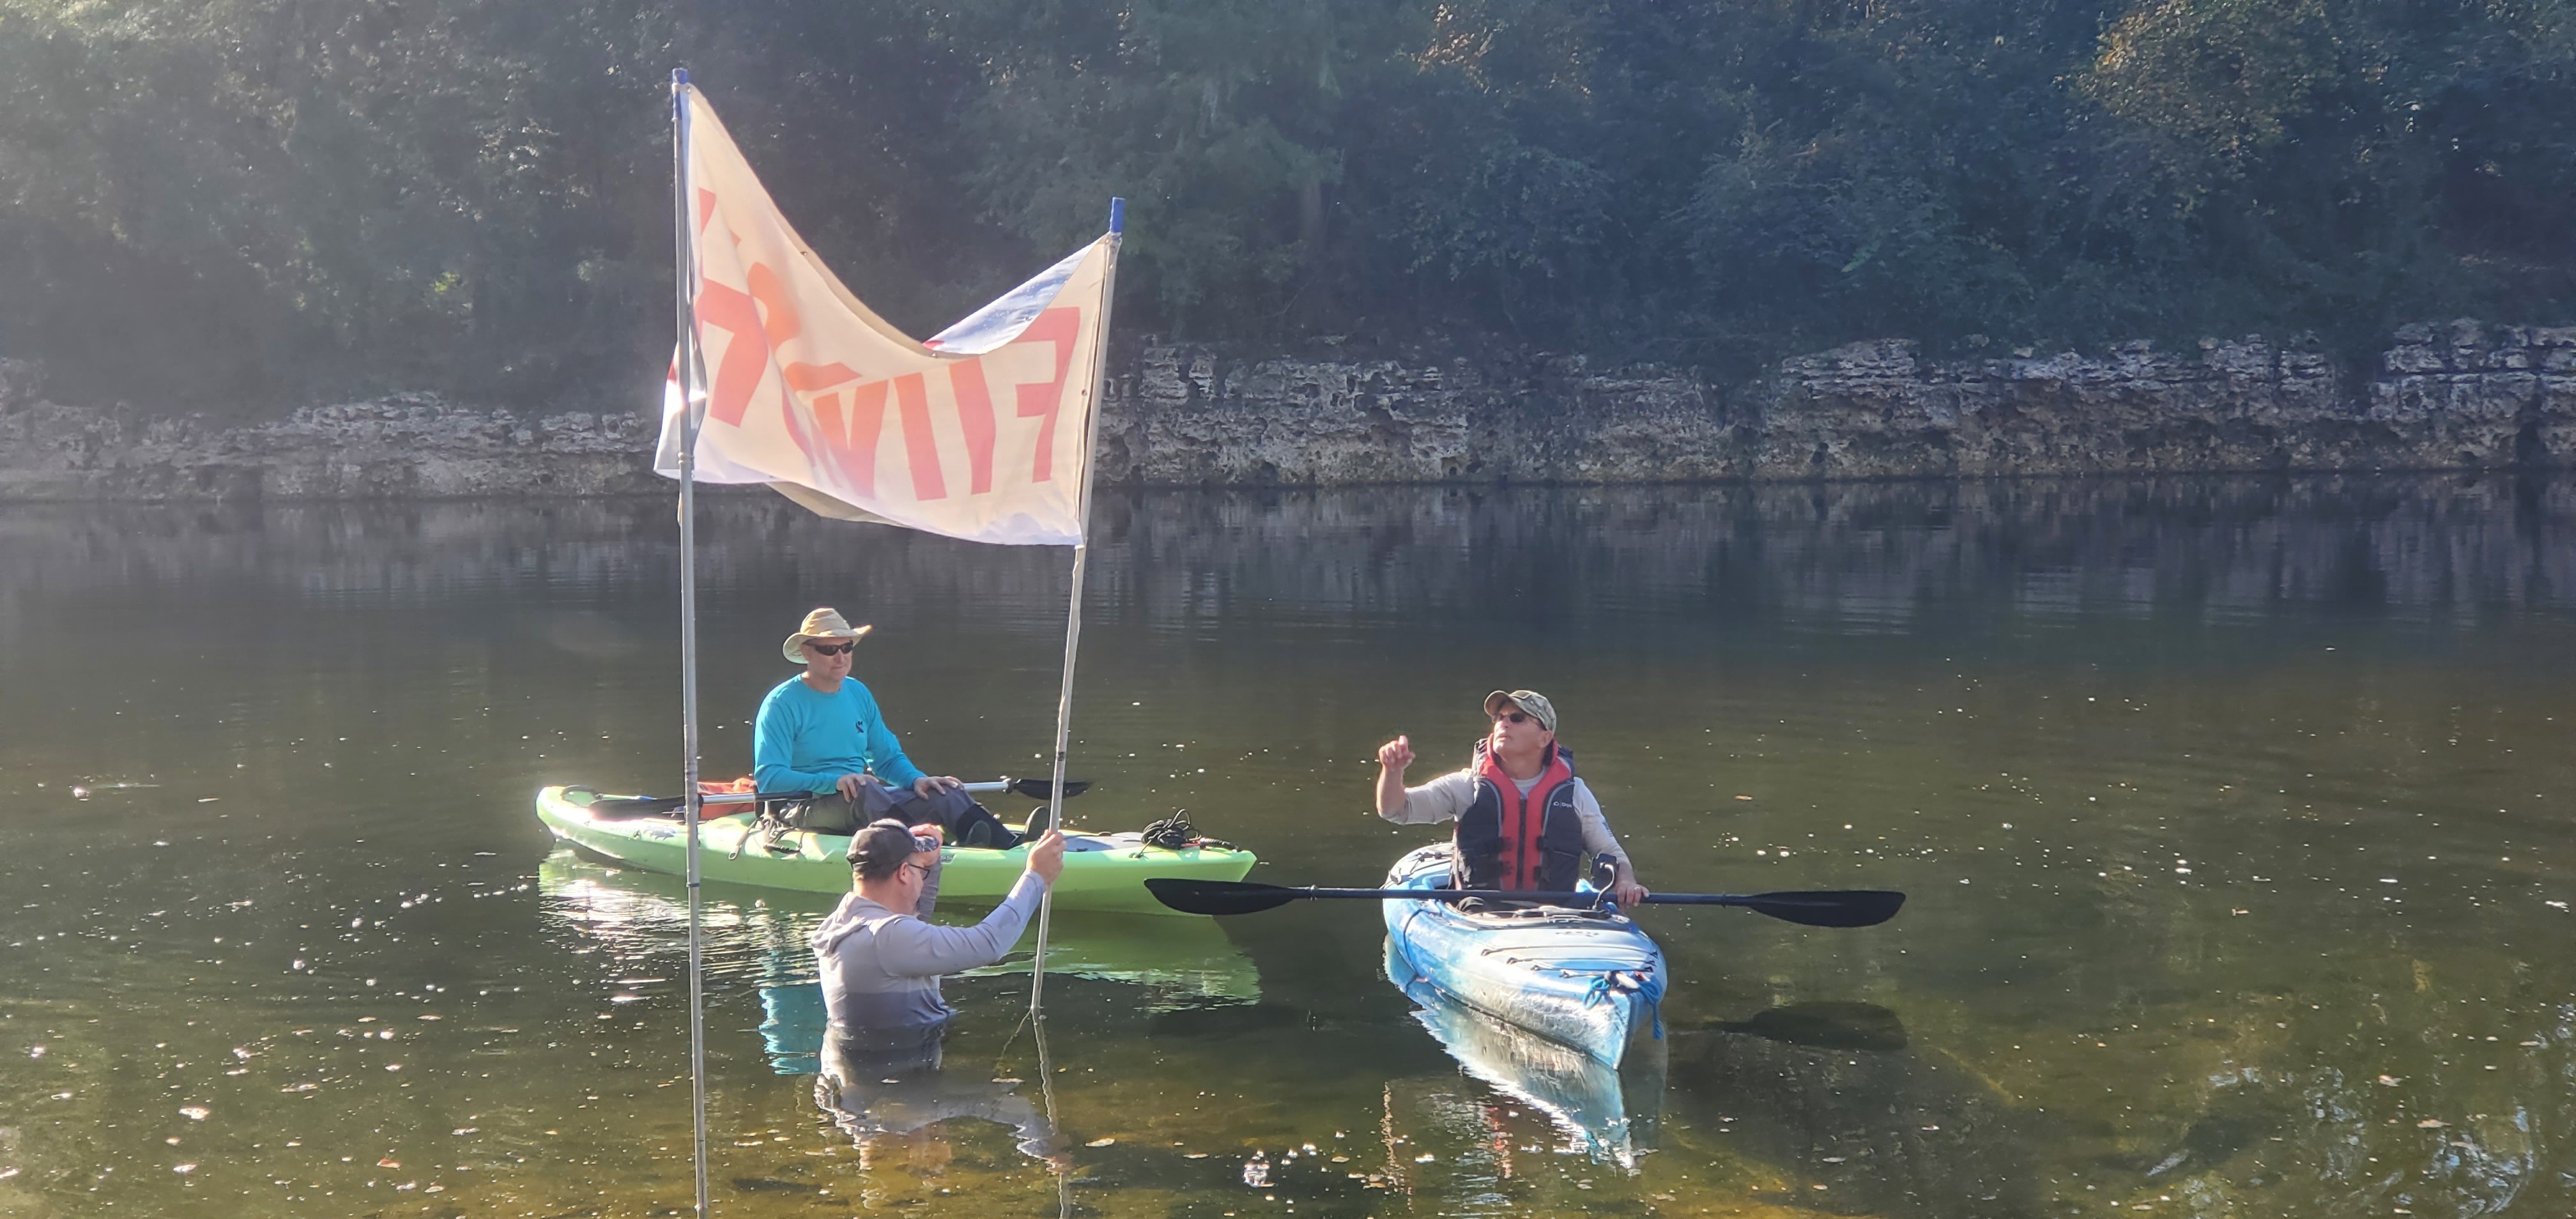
2235,815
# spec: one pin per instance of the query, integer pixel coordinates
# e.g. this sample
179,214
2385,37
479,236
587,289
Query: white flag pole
683,273
1081,548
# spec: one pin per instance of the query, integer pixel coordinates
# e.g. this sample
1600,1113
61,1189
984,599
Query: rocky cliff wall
2460,395
407,447
2457,396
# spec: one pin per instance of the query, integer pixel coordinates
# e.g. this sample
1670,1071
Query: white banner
981,433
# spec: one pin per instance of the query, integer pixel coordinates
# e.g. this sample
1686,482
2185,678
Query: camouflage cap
1527,700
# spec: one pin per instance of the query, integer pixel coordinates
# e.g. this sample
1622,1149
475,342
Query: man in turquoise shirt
821,732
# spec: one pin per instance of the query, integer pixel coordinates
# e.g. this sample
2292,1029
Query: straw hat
821,624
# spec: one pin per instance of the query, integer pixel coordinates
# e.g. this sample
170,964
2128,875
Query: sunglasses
1517,717
834,649
924,869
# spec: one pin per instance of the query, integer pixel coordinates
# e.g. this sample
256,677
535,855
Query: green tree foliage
260,199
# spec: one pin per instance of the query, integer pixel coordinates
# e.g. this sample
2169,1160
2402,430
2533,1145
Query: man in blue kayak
821,732
1525,820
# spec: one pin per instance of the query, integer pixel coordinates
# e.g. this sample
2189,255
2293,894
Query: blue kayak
1591,980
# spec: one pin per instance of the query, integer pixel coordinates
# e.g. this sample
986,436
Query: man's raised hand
1392,758
1046,856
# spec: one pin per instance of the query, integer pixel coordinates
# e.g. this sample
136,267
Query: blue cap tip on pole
679,76
1117,214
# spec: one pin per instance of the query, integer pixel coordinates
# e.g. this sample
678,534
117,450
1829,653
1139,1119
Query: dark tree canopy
279,198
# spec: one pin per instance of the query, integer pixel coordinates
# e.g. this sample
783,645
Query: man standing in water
821,732
881,962
1524,819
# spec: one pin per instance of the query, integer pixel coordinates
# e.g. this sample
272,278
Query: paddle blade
1831,908
1044,789
1218,896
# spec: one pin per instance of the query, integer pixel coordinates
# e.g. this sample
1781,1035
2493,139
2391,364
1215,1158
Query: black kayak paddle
1819,908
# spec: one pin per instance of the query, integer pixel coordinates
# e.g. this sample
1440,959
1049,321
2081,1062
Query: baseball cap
882,846
1527,700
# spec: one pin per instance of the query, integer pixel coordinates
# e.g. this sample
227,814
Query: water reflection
1609,1113
888,1100
1850,555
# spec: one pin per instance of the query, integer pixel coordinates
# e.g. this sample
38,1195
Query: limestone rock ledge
404,447
2457,395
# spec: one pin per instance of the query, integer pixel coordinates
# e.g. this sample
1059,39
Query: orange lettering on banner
1058,326
913,400
975,416
806,378
760,321
744,358
737,314
778,320
854,447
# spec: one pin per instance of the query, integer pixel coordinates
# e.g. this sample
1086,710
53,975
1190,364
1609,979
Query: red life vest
1506,840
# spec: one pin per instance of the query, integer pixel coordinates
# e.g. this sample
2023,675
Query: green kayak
1101,871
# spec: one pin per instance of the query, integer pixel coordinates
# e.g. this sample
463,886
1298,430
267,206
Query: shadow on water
1832,1093
2237,1119
1824,1025
1225,1022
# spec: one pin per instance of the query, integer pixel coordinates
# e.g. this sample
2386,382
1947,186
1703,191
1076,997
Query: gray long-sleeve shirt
881,969
1449,795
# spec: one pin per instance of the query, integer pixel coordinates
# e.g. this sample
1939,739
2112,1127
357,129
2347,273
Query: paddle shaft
1812,908
748,797
995,785
1539,897
1033,788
